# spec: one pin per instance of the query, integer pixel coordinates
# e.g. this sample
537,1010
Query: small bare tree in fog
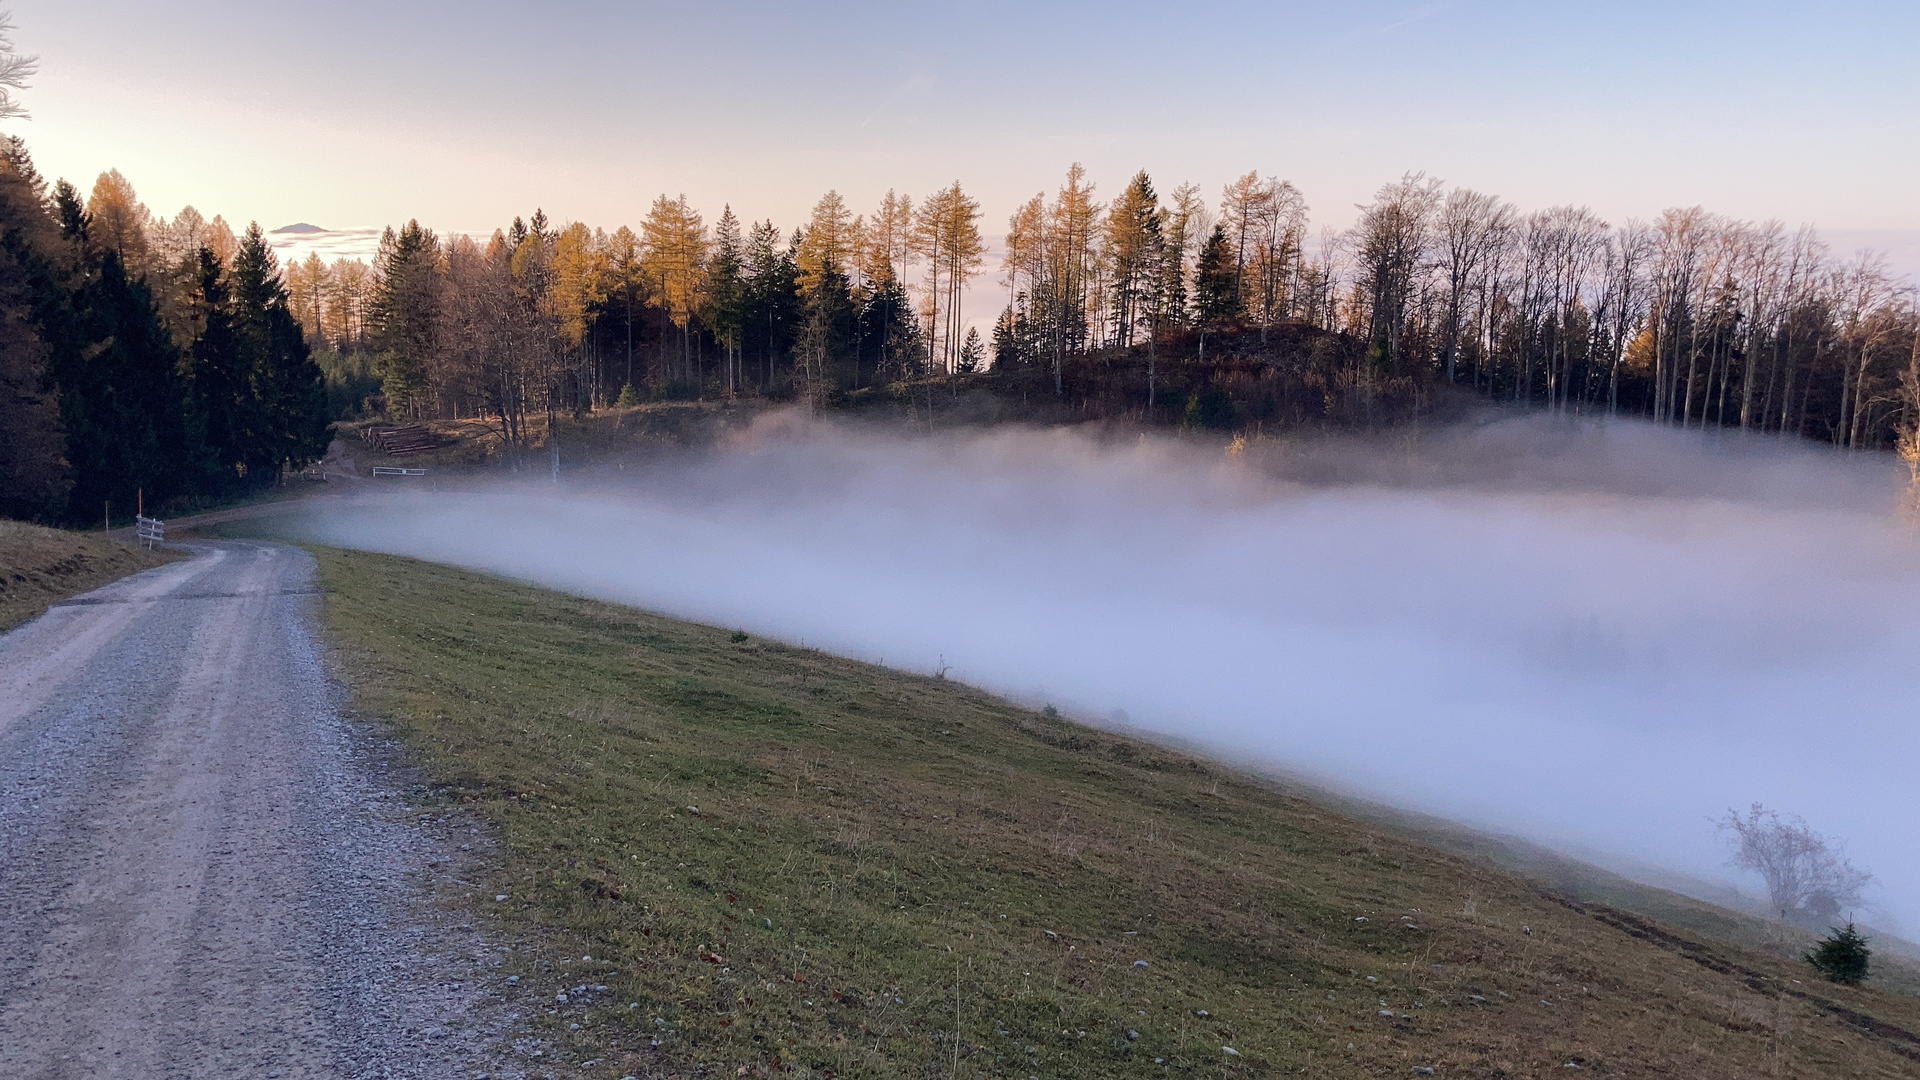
1807,875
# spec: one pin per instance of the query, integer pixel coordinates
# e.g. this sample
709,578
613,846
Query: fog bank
1598,636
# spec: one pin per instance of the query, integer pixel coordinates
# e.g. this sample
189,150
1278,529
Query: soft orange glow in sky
463,115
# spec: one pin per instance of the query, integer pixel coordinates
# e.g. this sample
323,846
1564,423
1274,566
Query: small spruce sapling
972,353
1842,956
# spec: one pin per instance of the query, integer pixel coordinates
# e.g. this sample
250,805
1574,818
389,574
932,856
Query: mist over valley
1596,635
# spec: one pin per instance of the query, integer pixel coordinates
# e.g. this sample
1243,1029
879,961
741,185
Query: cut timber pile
398,441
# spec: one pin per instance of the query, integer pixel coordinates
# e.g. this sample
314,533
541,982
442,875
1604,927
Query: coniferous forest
176,360
141,361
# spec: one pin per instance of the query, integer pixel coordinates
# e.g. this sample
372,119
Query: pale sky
359,113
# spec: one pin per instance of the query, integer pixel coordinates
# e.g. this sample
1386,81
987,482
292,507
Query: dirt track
204,871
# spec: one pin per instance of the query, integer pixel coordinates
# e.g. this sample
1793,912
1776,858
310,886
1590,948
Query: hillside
41,566
586,441
780,861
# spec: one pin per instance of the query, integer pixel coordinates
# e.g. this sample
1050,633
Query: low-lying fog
1596,635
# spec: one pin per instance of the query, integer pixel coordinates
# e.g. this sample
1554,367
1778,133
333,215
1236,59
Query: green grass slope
787,863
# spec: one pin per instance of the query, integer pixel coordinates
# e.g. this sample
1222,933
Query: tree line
539,319
1691,319
174,360
1166,308
142,359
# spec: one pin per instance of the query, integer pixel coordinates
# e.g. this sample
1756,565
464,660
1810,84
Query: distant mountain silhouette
299,227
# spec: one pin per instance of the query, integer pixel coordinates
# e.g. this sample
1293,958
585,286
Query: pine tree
34,477
404,313
223,409
1133,249
122,402
884,329
1843,956
1214,280
826,335
772,301
287,385
972,352
1007,354
726,296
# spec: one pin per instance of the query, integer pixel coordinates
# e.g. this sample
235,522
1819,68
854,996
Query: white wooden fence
149,531
388,470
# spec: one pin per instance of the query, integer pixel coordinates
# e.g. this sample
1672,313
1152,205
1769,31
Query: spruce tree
122,401
225,412
289,391
1006,347
115,369
70,213
1134,250
885,330
973,352
826,334
34,477
772,301
1842,956
725,309
1215,284
404,312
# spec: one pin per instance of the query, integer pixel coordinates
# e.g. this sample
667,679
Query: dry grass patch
41,566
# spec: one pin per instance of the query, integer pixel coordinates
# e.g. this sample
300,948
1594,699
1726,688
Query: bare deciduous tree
14,70
1390,247
1808,876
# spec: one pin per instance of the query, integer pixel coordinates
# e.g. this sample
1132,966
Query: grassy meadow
783,862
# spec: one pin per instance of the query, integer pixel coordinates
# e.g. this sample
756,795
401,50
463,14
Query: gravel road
204,870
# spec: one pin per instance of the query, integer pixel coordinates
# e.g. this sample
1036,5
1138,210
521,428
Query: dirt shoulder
40,567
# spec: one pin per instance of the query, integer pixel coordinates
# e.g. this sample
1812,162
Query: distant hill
298,227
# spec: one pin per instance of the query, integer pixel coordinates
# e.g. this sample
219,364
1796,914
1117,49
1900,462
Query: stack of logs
398,441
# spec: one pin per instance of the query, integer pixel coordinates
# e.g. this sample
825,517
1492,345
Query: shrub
1842,957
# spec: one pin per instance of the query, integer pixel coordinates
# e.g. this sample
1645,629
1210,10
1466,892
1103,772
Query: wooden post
107,516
